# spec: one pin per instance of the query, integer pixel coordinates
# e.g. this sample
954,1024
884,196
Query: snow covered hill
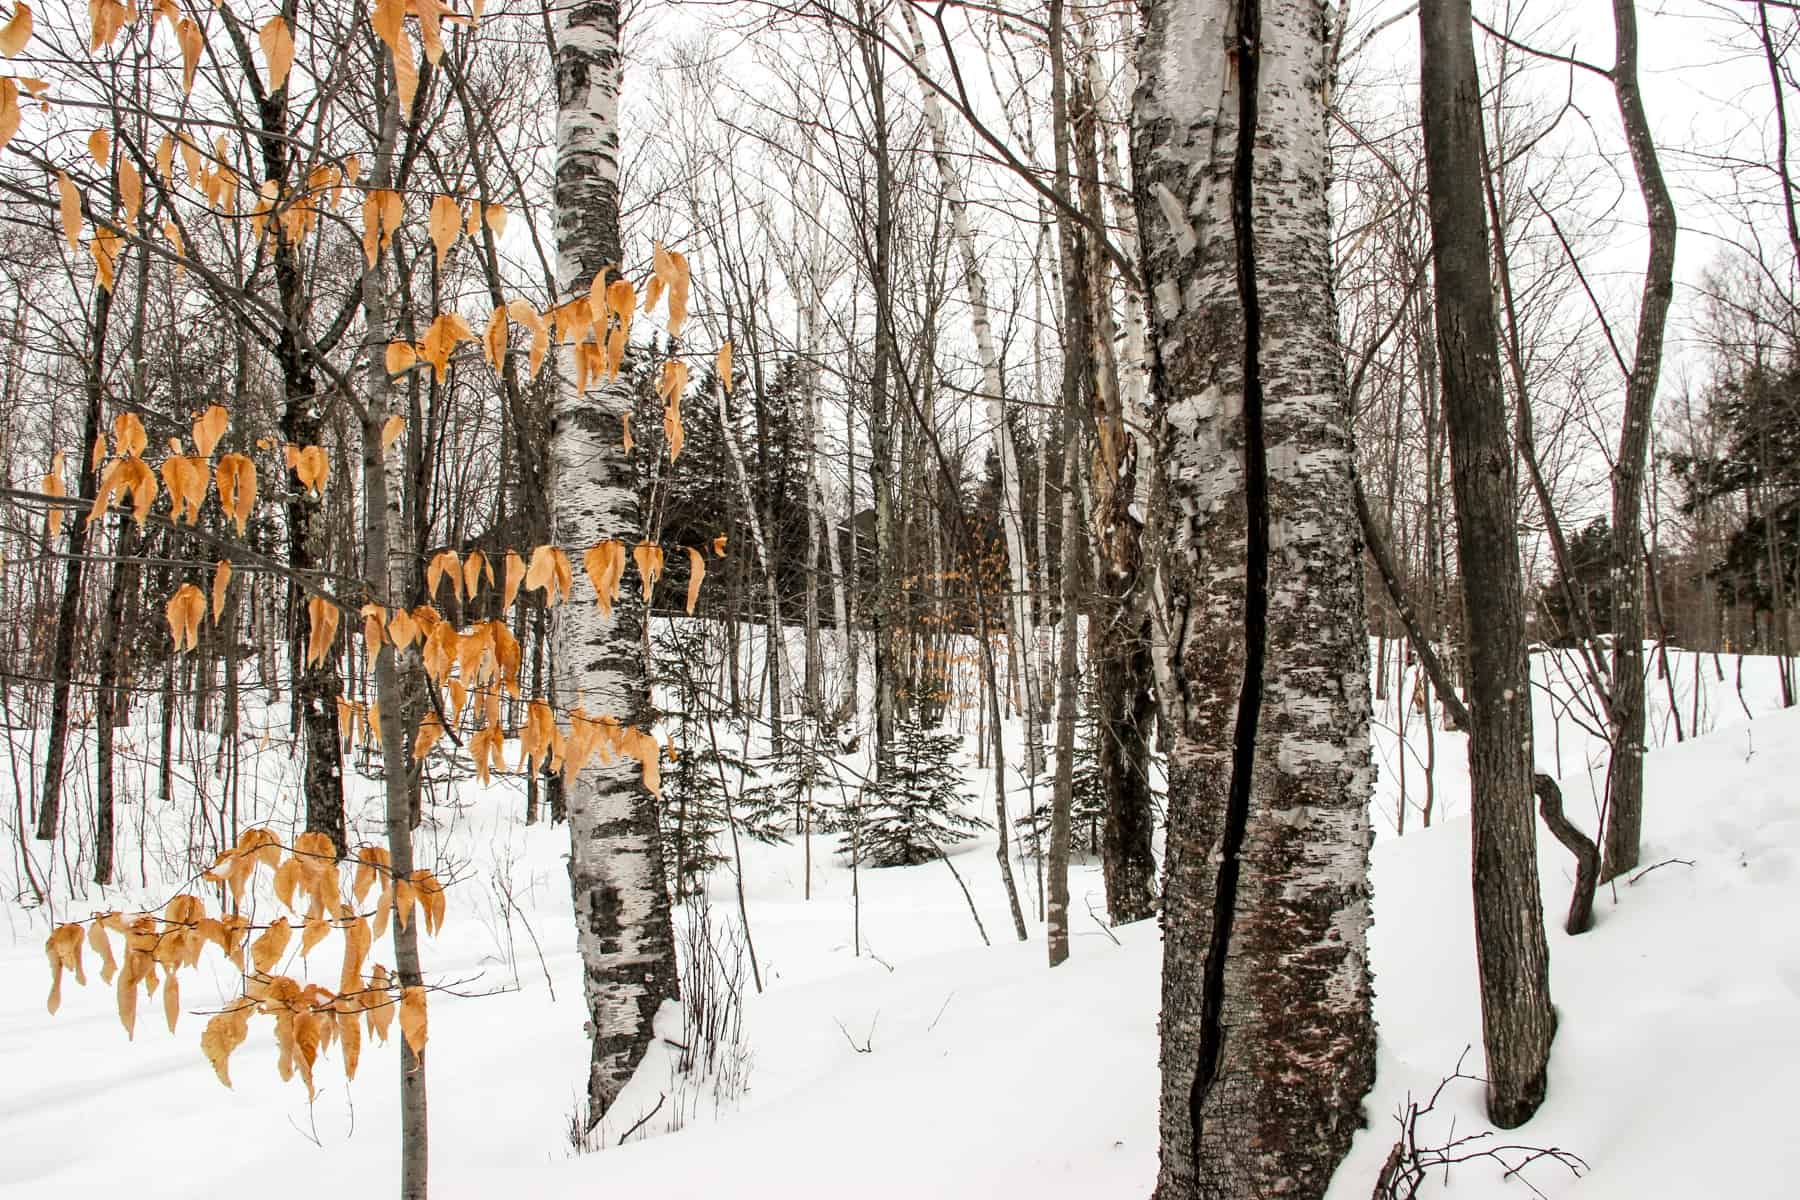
932,1065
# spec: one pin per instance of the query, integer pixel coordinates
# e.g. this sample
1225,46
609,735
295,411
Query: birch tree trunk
1517,1021
993,383
622,922
1267,1037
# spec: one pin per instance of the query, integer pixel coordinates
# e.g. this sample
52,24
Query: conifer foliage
915,810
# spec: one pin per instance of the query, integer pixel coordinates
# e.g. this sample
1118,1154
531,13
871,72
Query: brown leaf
221,580
267,950
444,563
649,559
209,427
722,364
393,427
323,617
515,575
430,730
17,31
278,51
493,340
495,216
235,478
193,41
224,1033
99,144
69,204
696,572
445,225
412,1018
184,612
171,999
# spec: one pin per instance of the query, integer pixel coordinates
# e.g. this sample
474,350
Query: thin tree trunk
1517,1020
68,612
1625,784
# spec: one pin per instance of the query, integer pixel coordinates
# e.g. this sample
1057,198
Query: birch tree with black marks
1267,1037
622,921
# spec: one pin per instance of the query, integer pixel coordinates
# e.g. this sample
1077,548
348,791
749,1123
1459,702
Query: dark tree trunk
1625,789
1517,1020
68,612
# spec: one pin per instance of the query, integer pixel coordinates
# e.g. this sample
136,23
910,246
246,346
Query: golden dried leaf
131,190
221,580
99,144
649,559
393,427
69,204
102,945
165,160
171,999
267,950
185,478
674,432
105,246
323,624
445,225
696,573
719,546
372,865
402,627
349,1032
722,364
209,427
16,32
314,932
493,340
63,949
431,898
278,51
310,466
515,575
287,880
235,478
193,41
184,612
10,113
430,730
53,485
605,565
444,563
127,994
224,1033
405,894
550,572
400,357
495,216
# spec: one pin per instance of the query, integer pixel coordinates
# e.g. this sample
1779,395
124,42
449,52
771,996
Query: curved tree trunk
1626,772
615,864
1267,1036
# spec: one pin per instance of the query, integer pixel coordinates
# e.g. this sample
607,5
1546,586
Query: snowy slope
985,1074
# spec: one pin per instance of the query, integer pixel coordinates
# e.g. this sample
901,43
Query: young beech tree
385,358
1267,1038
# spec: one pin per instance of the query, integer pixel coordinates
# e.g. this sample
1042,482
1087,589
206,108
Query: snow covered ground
932,1065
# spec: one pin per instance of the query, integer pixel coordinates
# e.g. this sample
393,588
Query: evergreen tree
1590,577
915,811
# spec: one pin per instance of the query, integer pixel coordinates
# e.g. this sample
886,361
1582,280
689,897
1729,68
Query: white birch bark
615,861
993,383
1267,1038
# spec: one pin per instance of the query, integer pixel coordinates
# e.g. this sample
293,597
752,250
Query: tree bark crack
1256,585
